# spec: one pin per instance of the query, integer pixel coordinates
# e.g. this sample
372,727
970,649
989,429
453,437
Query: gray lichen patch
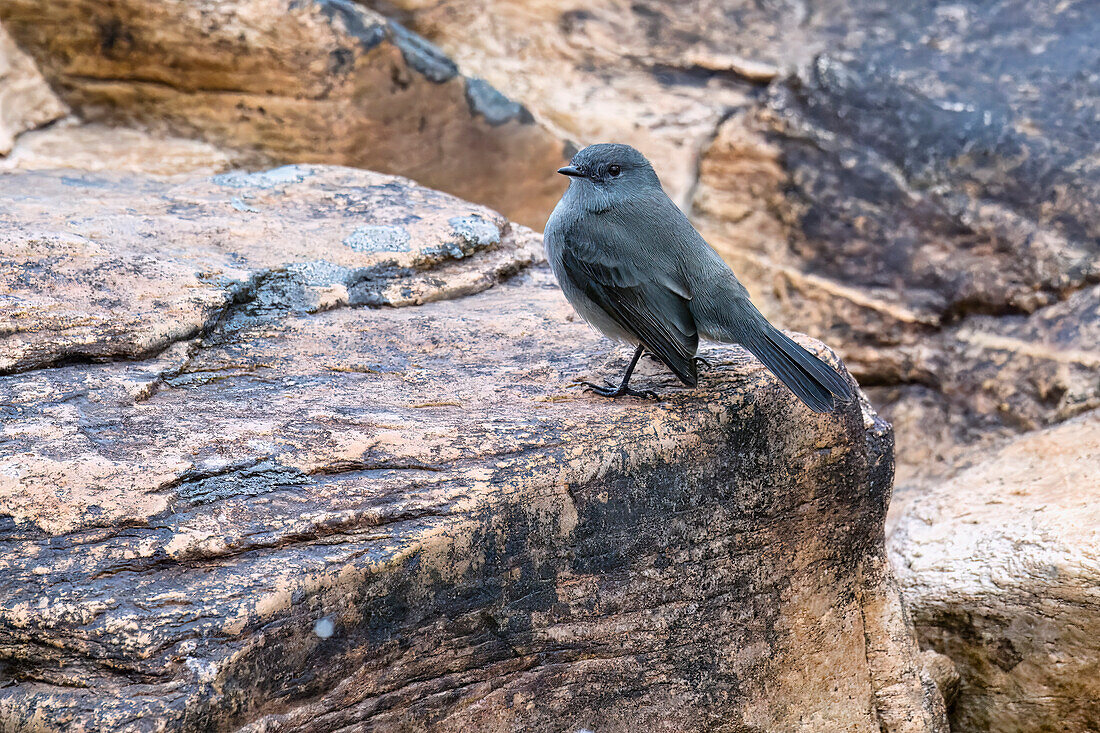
475,230
274,178
379,238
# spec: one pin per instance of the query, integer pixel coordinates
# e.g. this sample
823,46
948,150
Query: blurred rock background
917,186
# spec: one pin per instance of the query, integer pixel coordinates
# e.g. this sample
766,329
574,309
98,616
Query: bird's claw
613,391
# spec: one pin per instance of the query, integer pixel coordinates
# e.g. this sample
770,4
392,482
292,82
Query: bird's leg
623,388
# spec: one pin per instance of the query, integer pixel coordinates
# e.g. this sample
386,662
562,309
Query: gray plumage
634,267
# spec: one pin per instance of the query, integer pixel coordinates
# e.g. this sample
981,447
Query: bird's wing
641,301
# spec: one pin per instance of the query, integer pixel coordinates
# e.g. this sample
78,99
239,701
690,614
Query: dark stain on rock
115,39
926,131
571,21
1005,656
483,99
422,55
355,22
653,21
341,61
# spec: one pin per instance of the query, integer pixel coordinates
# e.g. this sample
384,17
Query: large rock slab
1001,569
230,500
305,81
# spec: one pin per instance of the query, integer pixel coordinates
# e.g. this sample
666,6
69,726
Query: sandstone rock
155,262
902,189
96,147
917,195
230,500
305,81
1000,567
26,101
604,70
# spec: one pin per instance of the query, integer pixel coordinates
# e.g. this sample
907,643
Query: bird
632,265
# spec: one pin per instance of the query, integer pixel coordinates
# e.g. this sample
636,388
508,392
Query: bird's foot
613,391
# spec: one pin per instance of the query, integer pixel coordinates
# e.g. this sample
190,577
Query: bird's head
610,171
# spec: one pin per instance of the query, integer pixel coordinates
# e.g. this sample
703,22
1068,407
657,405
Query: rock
231,500
916,195
603,71
97,147
26,101
300,81
125,280
892,181
943,672
1000,568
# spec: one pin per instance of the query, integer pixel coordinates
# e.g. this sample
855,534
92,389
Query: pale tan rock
97,147
264,509
26,101
943,672
1000,567
295,81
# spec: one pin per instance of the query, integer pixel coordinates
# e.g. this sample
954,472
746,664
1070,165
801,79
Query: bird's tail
812,380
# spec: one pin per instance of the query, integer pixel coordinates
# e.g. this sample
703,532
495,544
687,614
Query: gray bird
633,266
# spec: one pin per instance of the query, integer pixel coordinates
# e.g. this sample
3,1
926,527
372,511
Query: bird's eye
614,170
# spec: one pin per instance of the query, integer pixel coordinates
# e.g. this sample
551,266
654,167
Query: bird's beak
571,171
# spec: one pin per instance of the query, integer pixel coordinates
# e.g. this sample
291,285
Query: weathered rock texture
229,500
295,81
1001,568
907,182
604,70
151,263
26,101
924,196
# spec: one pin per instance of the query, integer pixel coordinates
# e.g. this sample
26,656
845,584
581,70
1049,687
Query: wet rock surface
313,81
1001,566
253,506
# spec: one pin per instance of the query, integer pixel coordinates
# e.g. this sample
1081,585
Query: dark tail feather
812,380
